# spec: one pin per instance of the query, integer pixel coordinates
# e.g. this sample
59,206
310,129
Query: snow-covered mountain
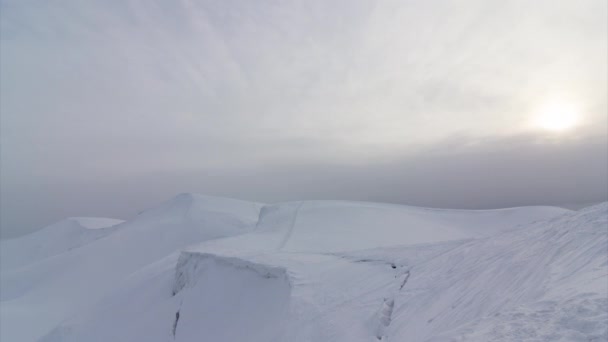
199,268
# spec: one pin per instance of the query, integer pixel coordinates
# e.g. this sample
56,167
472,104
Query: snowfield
199,268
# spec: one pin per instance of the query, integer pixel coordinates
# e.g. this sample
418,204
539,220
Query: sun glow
557,116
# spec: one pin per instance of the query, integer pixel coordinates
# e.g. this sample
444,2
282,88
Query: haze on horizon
108,107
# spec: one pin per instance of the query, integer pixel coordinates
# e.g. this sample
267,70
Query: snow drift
38,296
199,267
55,239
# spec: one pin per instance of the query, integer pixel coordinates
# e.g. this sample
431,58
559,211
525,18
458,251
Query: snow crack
407,276
175,323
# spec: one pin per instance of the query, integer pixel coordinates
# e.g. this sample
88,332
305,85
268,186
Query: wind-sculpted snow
229,299
38,296
257,298
57,238
199,268
192,266
507,276
199,209
338,226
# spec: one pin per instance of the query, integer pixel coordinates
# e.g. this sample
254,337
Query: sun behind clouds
557,116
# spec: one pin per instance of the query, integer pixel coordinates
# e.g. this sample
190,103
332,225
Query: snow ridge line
291,228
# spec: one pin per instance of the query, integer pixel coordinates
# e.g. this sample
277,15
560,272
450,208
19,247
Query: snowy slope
55,239
38,296
488,282
333,226
204,268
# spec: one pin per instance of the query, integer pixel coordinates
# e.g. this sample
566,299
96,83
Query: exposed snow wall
229,299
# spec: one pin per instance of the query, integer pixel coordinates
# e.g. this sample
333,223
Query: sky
108,107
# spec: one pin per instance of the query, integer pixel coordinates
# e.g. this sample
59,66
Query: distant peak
185,196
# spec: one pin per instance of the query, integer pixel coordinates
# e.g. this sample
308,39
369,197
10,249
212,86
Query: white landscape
200,268
287,127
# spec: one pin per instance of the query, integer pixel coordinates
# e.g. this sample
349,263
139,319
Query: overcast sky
110,106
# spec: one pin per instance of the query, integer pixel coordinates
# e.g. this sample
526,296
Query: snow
557,260
59,237
205,268
95,222
49,290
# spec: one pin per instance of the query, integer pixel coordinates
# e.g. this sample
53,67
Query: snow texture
204,268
